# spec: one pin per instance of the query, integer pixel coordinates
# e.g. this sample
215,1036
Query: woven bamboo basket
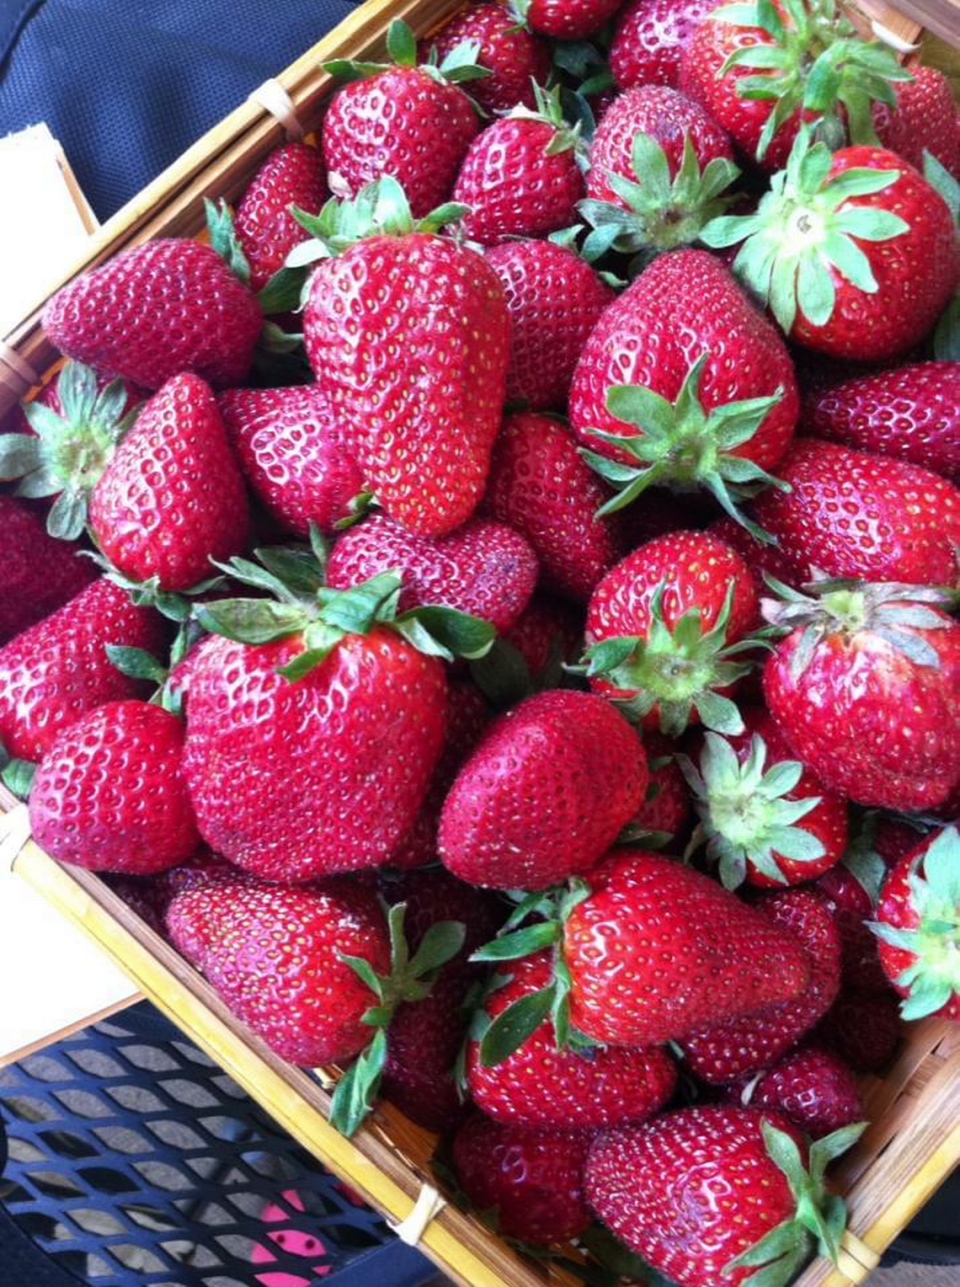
913,1142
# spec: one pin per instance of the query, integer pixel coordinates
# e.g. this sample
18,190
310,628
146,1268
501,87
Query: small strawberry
544,794
851,890
708,1194
434,895
663,628
110,794
140,896
530,1178
924,119
722,1052
514,56
37,574
863,1028
292,174
564,19
484,568
650,38
540,486
664,814
912,412
865,687
554,299
812,1088
423,1042
520,176
548,631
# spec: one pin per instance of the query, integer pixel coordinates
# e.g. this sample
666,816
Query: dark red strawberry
564,19
548,631
812,1088
514,56
484,568
851,889
923,120
423,1042
543,795
37,573
650,38
292,174
863,1028
554,299
110,794
434,895
666,810
531,1178
759,556
894,837
140,896
201,868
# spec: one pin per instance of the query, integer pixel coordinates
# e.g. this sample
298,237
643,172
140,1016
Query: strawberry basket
913,1141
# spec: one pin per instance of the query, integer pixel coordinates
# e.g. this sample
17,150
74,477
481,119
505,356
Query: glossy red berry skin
759,557
569,19
813,1088
292,174
37,573
864,1029
924,119
514,55
851,908
650,39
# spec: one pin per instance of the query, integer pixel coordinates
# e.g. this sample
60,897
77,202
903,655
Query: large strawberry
513,56
110,794
266,229
484,568
909,411
865,686
416,376
650,38
706,1195
811,1087
855,252
412,123
554,298
564,19
684,384
664,627
924,119
37,574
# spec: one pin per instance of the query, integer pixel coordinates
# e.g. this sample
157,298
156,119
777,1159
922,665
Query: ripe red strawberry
850,894
812,1088
650,38
290,449
911,411
513,55
548,631
852,514
863,1028
554,299
292,174
658,949
37,574
429,330
544,793
763,817
666,810
683,379
918,925
413,123
140,896
852,264
434,895
570,1088
893,837
564,19
423,1041
923,120
156,311
866,687
758,555
201,868
110,794
531,1177
662,627
58,670
540,486
520,176
484,568
697,1189
719,1053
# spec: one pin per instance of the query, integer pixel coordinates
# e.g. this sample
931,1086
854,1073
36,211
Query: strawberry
411,122
542,1086
484,568
707,1194
761,557
918,925
865,687
650,38
924,119
423,1041
532,1178
520,176
19,418
548,630
110,794
201,868
663,626
763,817
554,299
564,19
290,449
58,670
139,895
812,1088
863,1028
664,813
656,950
684,381
292,174
851,889
434,895
894,837
719,1053
852,514
514,56
544,794
429,329
855,252
540,486
37,574
912,412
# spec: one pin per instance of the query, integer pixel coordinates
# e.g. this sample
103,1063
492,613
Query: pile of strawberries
496,620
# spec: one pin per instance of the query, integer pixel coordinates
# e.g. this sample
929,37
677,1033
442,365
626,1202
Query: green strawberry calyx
656,212
812,62
138,663
933,977
71,451
16,774
804,232
675,669
303,604
819,1218
684,447
745,814
410,980
459,66
549,111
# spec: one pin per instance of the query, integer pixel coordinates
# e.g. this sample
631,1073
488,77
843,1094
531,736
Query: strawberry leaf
515,1025
358,1087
